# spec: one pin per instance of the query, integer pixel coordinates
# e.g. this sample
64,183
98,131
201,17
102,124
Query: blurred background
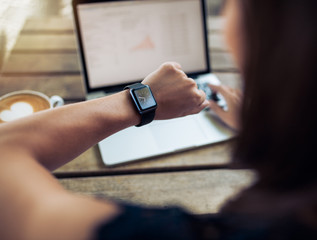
13,14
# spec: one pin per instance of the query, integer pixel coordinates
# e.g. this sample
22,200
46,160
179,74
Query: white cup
22,103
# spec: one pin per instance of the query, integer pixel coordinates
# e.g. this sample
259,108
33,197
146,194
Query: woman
273,44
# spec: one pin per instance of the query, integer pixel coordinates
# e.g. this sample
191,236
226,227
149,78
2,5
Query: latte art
21,105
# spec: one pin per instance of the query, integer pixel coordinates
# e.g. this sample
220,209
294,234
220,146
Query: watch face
145,98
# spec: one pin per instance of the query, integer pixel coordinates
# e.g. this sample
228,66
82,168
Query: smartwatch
144,101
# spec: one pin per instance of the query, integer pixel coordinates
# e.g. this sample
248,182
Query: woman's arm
31,200
56,136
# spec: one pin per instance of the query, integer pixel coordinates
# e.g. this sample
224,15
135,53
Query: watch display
144,101
145,98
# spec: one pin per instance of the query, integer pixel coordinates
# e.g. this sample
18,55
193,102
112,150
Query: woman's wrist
128,109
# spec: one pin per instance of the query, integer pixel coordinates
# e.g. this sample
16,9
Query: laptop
121,42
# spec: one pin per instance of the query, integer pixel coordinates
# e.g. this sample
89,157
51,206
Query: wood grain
213,156
29,43
48,25
39,63
68,87
198,191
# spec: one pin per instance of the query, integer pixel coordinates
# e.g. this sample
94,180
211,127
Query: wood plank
47,25
90,162
45,42
198,191
38,63
68,87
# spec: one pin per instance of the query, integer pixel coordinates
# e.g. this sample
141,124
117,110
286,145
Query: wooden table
45,59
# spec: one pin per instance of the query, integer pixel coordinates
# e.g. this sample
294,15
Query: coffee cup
22,103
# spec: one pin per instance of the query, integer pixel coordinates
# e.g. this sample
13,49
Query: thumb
205,104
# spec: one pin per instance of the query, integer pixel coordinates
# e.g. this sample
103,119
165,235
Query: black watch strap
147,115
146,118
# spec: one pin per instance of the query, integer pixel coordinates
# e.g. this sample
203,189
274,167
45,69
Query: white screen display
124,41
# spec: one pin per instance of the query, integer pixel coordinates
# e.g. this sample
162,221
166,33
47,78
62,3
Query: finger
181,72
217,109
177,65
178,68
199,108
203,96
204,105
223,90
201,93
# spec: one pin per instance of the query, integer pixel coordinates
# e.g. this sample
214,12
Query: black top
175,223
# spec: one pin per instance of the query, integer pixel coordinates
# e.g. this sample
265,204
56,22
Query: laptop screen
123,41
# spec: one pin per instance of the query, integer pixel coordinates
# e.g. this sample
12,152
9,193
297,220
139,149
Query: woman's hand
233,98
175,93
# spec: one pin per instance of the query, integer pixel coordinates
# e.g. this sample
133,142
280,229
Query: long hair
279,125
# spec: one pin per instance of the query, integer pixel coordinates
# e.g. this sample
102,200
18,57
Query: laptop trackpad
157,138
177,134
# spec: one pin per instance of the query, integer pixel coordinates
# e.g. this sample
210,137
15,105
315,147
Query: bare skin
33,204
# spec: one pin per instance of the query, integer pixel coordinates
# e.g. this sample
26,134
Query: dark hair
279,124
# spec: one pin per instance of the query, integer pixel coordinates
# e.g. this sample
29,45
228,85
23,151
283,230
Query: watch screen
145,98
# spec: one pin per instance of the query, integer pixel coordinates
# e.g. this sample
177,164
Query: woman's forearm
54,137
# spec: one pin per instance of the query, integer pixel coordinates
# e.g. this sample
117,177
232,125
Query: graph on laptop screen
124,41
